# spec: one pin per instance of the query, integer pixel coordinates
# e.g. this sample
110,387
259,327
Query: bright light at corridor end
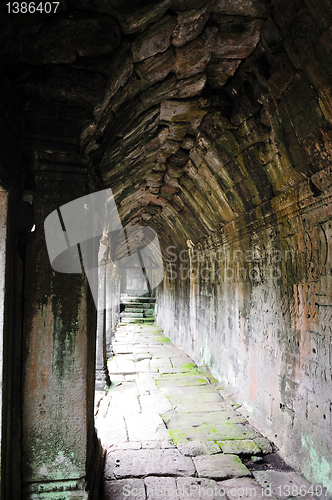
73,233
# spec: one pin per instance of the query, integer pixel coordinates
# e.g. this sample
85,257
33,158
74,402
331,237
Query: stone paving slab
143,366
183,361
146,385
112,431
192,380
138,463
142,461
192,394
171,352
240,447
127,445
193,407
159,364
124,405
190,488
183,374
141,356
264,444
144,445
151,445
220,466
142,428
156,402
209,433
174,370
121,348
283,484
244,487
198,419
130,489
196,448
116,377
124,388
161,488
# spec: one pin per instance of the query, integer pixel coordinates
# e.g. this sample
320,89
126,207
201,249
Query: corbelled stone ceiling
185,108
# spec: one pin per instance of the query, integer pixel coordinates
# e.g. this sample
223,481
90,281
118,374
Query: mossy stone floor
170,434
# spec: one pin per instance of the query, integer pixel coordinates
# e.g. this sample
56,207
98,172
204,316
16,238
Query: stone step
125,321
129,300
132,315
138,305
133,310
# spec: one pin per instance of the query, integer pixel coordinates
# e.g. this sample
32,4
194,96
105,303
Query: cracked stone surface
169,434
139,463
220,466
245,487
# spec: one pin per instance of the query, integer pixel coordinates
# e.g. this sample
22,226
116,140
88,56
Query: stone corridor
170,434
180,149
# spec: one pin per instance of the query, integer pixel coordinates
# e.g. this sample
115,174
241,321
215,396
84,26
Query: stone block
127,463
244,487
250,8
240,447
190,23
237,37
156,68
141,428
161,488
192,406
182,111
190,488
133,489
189,87
155,40
193,57
192,395
113,432
220,466
264,444
219,71
132,21
196,448
191,380
282,484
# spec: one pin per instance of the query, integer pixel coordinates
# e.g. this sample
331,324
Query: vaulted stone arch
211,123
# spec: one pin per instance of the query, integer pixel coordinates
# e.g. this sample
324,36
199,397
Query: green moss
318,467
187,366
177,436
163,340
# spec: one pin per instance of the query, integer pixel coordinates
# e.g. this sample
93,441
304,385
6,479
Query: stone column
109,307
3,237
60,449
112,302
102,375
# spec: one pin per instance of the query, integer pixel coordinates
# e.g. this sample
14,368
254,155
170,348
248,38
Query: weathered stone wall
60,448
11,273
255,306
254,303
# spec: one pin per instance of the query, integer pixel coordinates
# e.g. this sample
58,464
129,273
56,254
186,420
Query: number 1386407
31,7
